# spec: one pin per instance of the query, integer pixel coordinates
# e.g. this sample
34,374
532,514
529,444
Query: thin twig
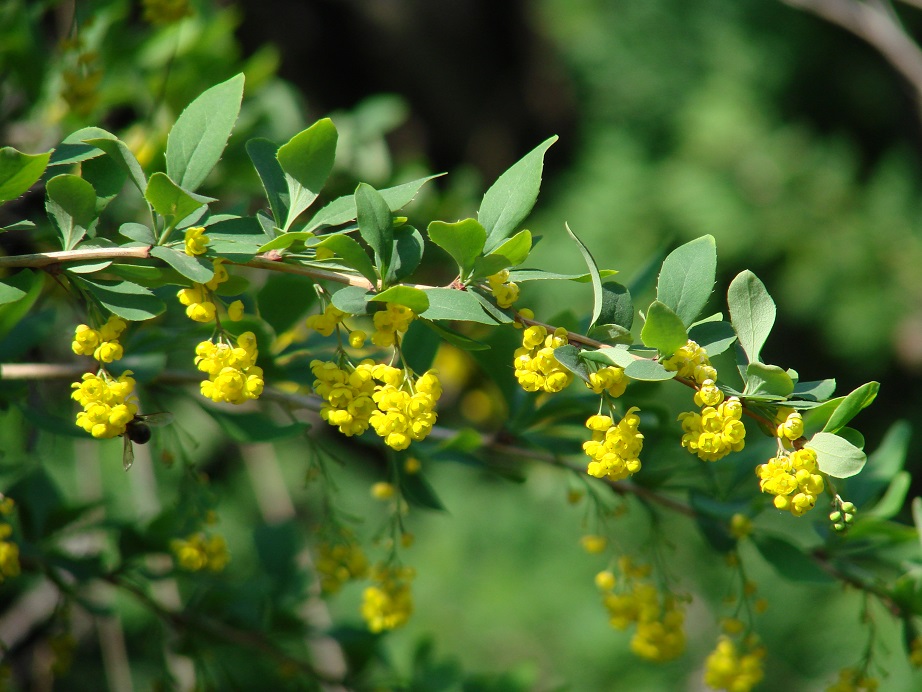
877,26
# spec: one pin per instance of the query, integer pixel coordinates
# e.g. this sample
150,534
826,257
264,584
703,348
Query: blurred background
791,140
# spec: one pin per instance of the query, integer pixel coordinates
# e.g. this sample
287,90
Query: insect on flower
138,431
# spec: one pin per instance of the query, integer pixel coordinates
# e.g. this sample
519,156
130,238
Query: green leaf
617,306
375,224
610,355
715,336
767,379
456,338
510,254
413,298
15,312
71,204
648,371
408,253
15,287
752,312
19,172
151,277
569,357
417,491
687,278
452,304
263,154
138,232
197,140
663,329
510,199
500,316
352,254
352,300
119,152
611,334
127,300
74,149
194,268
593,274
789,561
307,159
106,177
170,200
343,210
18,226
851,405
520,275
818,390
236,239
893,499
286,240
283,299
836,456
462,240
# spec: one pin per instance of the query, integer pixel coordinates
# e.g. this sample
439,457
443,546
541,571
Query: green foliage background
792,144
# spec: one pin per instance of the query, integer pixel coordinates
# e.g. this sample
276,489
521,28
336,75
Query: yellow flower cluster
790,424
233,376
536,368
389,603
505,292
196,242
718,429
793,479
165,11
198,551
199,306
9,551
389,323
377,395
340,561
326,322
614,448
633,600
609,379
406,410
691,362
102,344
108,403
853,680
733,668
348,395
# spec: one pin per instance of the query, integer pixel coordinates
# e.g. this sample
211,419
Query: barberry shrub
303,321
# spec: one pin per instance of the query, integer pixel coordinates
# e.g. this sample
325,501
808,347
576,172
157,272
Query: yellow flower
536,368
235,311
196,242
593,544
732,669
383,491
614,448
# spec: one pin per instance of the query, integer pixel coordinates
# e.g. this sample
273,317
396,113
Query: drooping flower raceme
733,667
631,599
233,376
383,397
390,323
102,344
614,448
717,430
388,603
793,479
339,561
536,367
108,403
199,551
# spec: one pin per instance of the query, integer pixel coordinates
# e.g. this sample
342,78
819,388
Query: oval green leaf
836,456
197,140
752,312
687,278
413,298
19,172
663,329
